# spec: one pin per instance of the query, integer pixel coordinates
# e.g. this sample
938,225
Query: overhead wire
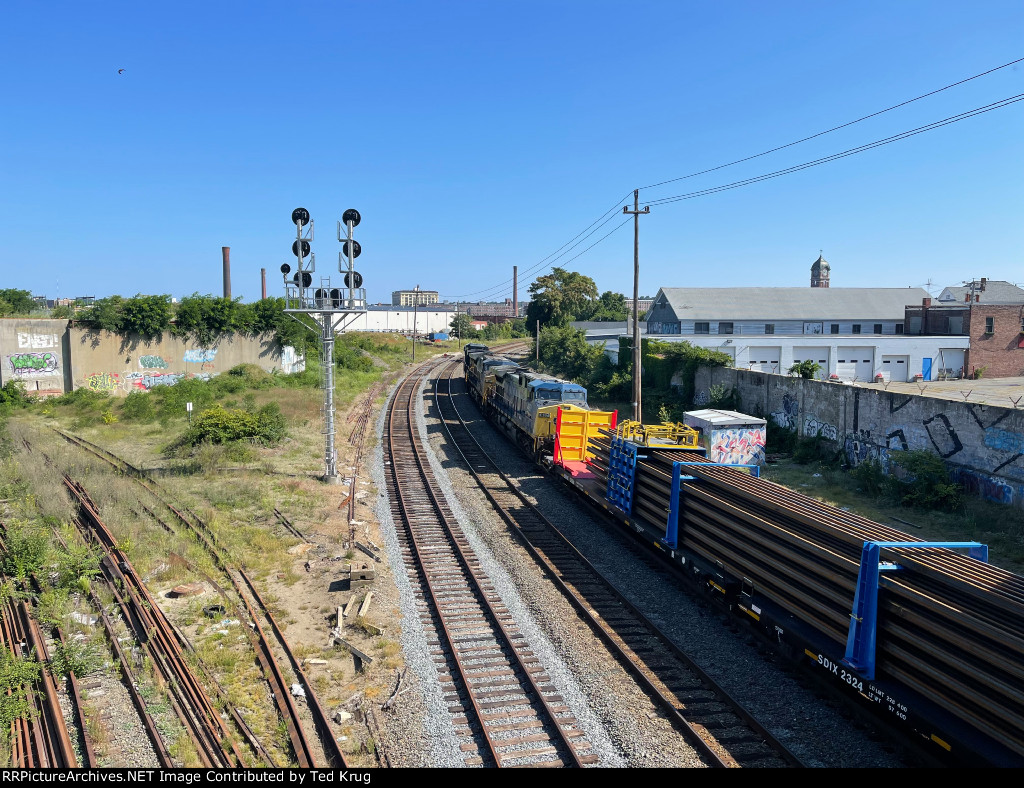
835,128
843,154
602,220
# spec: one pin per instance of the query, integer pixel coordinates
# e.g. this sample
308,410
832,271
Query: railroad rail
40,739
502,698
950,637
714,723
278,684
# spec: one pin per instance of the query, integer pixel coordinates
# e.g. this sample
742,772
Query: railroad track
716,725
502,701
305,753
41,738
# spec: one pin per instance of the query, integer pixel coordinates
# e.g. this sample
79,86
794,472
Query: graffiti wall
32,351
50,358
983,445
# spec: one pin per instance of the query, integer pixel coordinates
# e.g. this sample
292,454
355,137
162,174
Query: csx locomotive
528,405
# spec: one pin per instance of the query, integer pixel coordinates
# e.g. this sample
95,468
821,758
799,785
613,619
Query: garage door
819,355
895,368
765,359
855,363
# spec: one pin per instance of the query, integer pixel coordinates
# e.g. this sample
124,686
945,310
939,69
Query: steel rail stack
718,727
509,704
949,628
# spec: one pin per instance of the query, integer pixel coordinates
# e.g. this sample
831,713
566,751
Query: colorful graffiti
737,445
985,486
33,364
153,362
200,355
103,381
28,340
291,361
1004,440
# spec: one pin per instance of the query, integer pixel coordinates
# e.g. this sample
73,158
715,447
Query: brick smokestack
263,282
515,291
226,252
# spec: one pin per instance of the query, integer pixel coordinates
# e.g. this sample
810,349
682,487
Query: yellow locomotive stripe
811,654
944,745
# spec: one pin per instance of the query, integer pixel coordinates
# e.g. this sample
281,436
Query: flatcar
929,640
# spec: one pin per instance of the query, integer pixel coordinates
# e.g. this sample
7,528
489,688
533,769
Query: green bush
82,399
779,439
806,369
27,550
78,657
138,407
15,673
922,480
219,425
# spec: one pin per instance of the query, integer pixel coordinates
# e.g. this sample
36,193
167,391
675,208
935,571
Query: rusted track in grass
207,540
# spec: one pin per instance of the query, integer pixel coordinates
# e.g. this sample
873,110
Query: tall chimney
515,291
926,302
226,252
263,282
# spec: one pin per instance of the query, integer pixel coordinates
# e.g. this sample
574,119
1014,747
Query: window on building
835,328
990,326
769,328
878,328
856,328
725,328
701,328
899,328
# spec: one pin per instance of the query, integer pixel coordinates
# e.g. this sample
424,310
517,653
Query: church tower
819,272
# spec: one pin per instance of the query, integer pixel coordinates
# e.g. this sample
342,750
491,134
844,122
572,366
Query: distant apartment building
643,304
415,297
494,309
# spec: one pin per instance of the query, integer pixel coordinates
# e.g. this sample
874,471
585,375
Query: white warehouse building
403,319
852,333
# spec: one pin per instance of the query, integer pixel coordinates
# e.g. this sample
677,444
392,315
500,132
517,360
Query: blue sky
474,136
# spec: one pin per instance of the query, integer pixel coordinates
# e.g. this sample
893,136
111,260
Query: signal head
356,249
286,269
300,216
355,282
300,246
351,215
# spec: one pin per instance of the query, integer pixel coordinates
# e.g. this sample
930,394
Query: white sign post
188,407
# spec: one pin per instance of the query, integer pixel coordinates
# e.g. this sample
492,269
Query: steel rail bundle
950,628
41,739
304,754
507,692
699,707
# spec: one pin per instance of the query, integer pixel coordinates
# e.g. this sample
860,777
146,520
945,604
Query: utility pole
415,314
637,412
537,342
458,324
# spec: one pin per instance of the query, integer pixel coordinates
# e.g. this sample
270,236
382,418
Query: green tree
147,316
462,326
564,350
560,297
18,302
62,312
610,306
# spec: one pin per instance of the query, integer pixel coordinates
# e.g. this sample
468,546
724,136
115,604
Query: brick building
991,314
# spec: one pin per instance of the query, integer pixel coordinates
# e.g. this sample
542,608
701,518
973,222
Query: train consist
927,638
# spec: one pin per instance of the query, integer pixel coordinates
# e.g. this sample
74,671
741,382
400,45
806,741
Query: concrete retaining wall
51,358
983,445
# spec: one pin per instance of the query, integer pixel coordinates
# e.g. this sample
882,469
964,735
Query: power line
835,128
850,152
572,243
